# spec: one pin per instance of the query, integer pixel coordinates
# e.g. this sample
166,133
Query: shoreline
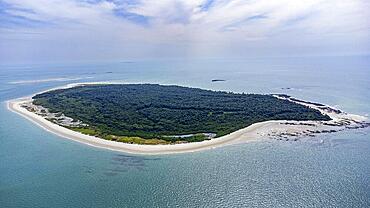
275,129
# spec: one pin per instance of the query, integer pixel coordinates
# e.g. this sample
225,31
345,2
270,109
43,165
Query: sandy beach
276,129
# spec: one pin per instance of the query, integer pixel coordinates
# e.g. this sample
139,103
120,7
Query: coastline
276,129
134,148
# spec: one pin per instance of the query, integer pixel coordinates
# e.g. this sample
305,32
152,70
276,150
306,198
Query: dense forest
147,111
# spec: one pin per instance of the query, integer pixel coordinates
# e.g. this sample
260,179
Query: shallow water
39,169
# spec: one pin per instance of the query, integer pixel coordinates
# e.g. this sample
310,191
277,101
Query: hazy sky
81,30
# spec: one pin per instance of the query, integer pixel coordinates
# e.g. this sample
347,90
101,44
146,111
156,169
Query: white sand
254,132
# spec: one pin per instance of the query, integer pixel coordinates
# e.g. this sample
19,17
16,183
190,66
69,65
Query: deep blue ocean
39,169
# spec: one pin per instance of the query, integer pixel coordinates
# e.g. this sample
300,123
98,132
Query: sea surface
39,169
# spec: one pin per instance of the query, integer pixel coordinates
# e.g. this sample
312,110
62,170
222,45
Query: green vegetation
150,113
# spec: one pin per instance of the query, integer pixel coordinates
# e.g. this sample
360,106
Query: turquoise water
39,169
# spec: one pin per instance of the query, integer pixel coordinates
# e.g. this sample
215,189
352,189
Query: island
218,80
150,113
153,118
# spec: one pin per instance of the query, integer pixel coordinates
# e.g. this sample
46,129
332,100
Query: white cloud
233,15
190,24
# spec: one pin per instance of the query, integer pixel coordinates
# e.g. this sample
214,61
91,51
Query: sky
116,30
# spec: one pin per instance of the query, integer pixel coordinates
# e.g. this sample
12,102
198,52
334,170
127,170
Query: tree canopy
158,111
